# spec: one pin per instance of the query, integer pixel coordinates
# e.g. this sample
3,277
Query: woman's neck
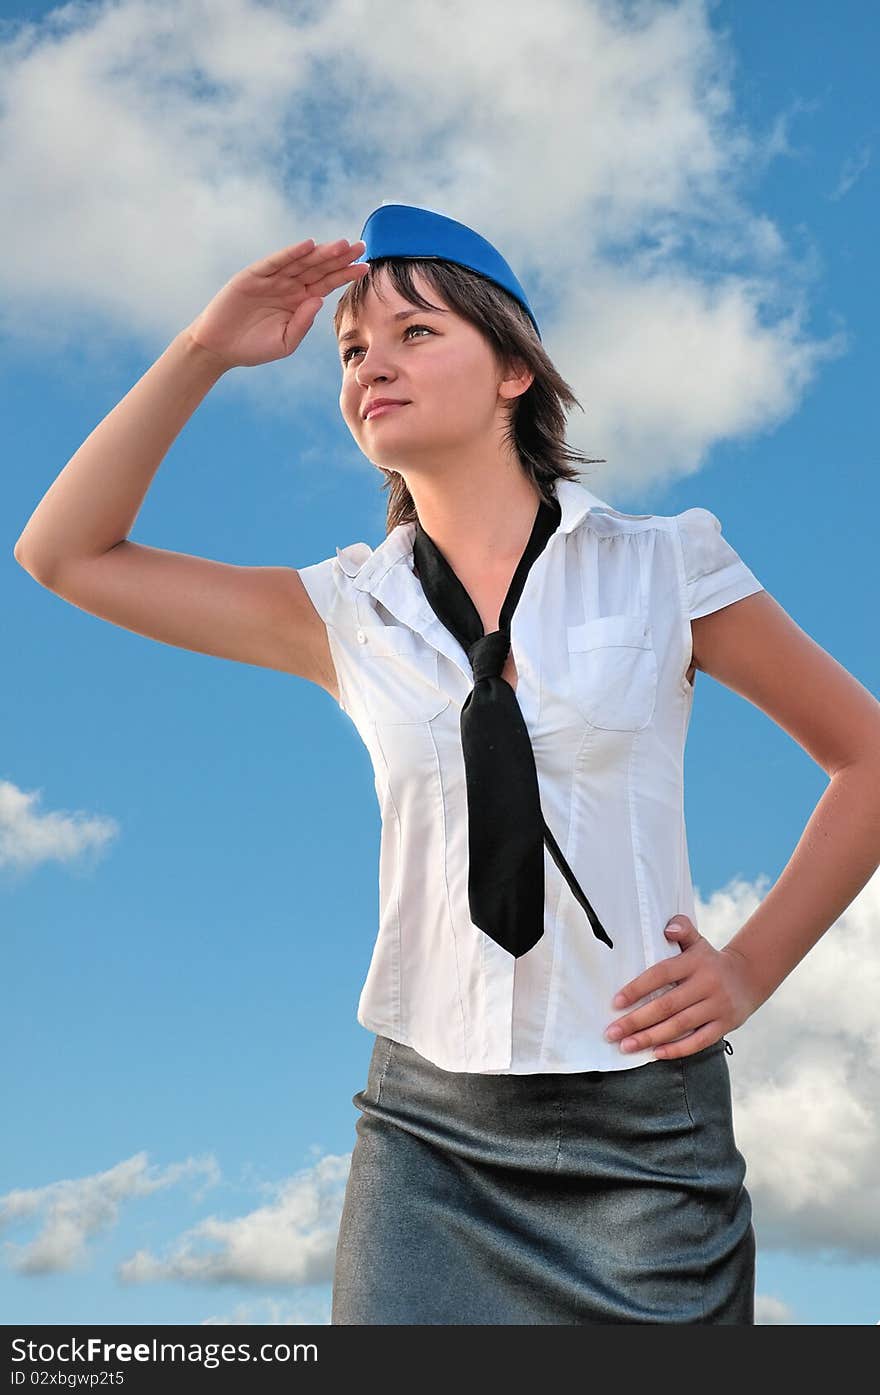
484,531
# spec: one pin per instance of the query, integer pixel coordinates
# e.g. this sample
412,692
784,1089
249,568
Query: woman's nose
371,363
369,373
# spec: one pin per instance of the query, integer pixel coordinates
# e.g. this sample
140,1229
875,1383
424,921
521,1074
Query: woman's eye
356,347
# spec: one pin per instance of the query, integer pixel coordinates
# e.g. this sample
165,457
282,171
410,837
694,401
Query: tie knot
488,654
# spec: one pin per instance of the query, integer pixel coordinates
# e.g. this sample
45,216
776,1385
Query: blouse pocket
400,672
613,672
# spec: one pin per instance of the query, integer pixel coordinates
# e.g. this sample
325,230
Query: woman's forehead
381,300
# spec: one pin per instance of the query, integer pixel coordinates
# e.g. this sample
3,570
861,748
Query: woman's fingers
327,259
302,256
267,265
327,256
321,281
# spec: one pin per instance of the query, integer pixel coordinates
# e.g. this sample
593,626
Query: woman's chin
390,463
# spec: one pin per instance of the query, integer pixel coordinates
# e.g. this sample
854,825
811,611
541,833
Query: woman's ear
518,378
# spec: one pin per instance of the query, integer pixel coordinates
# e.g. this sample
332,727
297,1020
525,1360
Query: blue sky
188,847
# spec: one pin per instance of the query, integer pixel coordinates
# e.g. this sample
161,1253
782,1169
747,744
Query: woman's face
436,361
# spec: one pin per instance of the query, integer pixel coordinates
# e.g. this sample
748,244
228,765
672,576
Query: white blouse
601,640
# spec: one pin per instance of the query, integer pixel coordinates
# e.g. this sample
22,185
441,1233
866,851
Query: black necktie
506,828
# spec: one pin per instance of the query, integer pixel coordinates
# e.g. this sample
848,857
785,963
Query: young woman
518,657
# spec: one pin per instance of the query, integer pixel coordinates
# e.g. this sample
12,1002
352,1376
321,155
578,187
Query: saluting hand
713,993
264,311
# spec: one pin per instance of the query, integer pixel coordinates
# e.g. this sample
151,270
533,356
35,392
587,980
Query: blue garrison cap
405,230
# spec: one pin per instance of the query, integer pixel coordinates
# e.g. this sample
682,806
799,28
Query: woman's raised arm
76,541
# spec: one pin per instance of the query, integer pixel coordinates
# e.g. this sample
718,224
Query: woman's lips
386,407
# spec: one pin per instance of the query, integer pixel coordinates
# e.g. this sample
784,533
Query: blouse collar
367,566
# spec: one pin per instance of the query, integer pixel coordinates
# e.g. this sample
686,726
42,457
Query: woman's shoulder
693,522
608,521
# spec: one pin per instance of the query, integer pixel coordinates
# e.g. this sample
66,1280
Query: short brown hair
536,419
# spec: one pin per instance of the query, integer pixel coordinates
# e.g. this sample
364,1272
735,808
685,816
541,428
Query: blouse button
362,638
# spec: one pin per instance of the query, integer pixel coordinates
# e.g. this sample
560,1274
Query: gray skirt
594,1196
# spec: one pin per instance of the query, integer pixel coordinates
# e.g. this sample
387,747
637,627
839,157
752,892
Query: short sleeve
715,574
329,587
320,582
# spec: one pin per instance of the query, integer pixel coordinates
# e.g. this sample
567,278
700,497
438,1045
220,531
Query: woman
518,658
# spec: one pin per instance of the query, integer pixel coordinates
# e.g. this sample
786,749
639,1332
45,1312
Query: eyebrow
401,315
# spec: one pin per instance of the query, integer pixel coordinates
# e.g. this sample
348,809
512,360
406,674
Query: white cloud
29,838
772,1311
805,1078
150,150
291,1240
271,1312
854,167
75,1211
